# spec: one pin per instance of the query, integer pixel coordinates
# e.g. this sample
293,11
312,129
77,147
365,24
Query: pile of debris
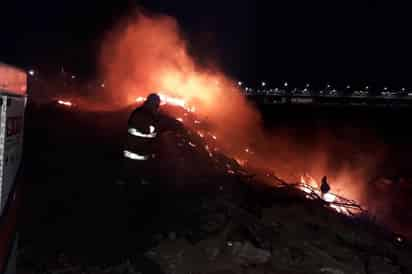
254,226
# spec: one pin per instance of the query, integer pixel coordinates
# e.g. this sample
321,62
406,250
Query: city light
240,83
31,72
263,84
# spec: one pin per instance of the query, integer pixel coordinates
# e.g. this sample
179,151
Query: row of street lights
307,86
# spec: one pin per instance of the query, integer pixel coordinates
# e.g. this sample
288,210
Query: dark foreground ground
76,219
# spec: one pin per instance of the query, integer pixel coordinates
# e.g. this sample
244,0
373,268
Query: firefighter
324,187
149,173
148,127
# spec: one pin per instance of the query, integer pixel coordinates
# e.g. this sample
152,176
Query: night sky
299,41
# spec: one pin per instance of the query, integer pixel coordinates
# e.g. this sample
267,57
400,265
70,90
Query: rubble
246,253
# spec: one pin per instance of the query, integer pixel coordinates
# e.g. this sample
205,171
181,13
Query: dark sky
337,41
299,41
49,33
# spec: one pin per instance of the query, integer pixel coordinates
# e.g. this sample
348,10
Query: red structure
13,98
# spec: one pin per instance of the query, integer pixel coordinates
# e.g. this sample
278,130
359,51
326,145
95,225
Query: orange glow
166,99
12,79
145,53
310,186
65,103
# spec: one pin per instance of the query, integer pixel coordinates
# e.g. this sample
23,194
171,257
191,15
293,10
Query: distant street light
240,83
286,84
31,72
263,84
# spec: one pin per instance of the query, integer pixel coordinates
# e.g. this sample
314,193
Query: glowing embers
341,205
241,162
135,156
208,151
65,103
166,99
152,133
329,197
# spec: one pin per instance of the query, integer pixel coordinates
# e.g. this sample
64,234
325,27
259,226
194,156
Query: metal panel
13,143
3,118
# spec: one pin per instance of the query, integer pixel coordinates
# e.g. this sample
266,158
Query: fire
170,100
147,53
311,187
65,103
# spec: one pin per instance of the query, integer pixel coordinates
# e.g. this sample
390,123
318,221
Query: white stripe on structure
135,156
135,132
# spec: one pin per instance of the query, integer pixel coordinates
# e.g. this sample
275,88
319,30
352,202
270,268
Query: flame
310,186
65,103
146,53
329,197
170,100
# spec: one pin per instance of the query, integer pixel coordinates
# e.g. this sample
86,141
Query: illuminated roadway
355,100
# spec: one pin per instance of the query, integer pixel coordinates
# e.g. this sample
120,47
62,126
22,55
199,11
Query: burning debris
243,225
311,188
340,204
65,103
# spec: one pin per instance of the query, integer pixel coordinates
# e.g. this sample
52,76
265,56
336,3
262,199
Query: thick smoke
147,53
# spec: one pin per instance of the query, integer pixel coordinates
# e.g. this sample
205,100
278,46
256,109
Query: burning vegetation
277,216
65,103
147,53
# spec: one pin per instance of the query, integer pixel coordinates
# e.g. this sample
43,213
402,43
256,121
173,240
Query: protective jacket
145,129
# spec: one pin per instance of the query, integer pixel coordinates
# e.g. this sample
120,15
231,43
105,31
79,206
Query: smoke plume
147,53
